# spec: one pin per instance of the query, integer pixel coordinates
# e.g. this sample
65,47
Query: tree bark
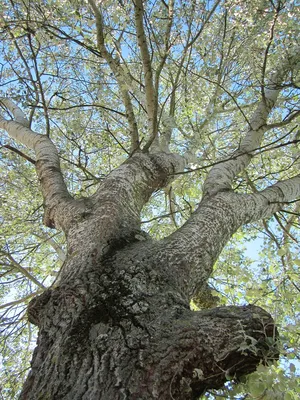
118,323
121,329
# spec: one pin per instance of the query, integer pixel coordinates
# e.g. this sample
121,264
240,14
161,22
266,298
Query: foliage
210,61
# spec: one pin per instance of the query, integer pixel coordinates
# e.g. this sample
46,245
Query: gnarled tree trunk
118,324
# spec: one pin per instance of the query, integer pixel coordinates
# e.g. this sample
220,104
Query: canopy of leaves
210,62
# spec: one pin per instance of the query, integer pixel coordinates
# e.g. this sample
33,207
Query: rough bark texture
118,324
122,330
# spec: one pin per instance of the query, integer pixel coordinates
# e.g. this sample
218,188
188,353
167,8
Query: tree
135,99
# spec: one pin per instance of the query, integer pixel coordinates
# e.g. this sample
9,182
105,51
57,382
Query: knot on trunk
36,307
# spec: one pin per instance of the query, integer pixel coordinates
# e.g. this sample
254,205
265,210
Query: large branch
194,248
221,176
47,164
114,216
265,203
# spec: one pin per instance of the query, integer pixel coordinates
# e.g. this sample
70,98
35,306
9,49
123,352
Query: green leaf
288,396
257,389
281,252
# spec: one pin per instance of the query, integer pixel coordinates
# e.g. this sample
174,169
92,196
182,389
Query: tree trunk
117,324
121,328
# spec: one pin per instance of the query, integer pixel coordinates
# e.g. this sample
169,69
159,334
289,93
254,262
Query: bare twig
20,153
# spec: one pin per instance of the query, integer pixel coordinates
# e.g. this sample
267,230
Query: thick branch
221,176
194,248
273,198
114,216
47,161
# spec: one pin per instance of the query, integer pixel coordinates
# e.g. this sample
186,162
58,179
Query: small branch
22,270
204,23
285,122
164,215
50,239
171,198
82,105
40,85
266,54
22,300
294,284
227,92
35,88
7,146
167,46
285,202
151,98
259,150
120,76
285,229
119,143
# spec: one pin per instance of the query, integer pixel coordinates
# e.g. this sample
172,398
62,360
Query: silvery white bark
54,189
194,248
113,212
221,176
117,324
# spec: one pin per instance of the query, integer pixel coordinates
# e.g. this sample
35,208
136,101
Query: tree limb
120,76
285,122
21,269
20,153
151,98
54,189
19,301
220,177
